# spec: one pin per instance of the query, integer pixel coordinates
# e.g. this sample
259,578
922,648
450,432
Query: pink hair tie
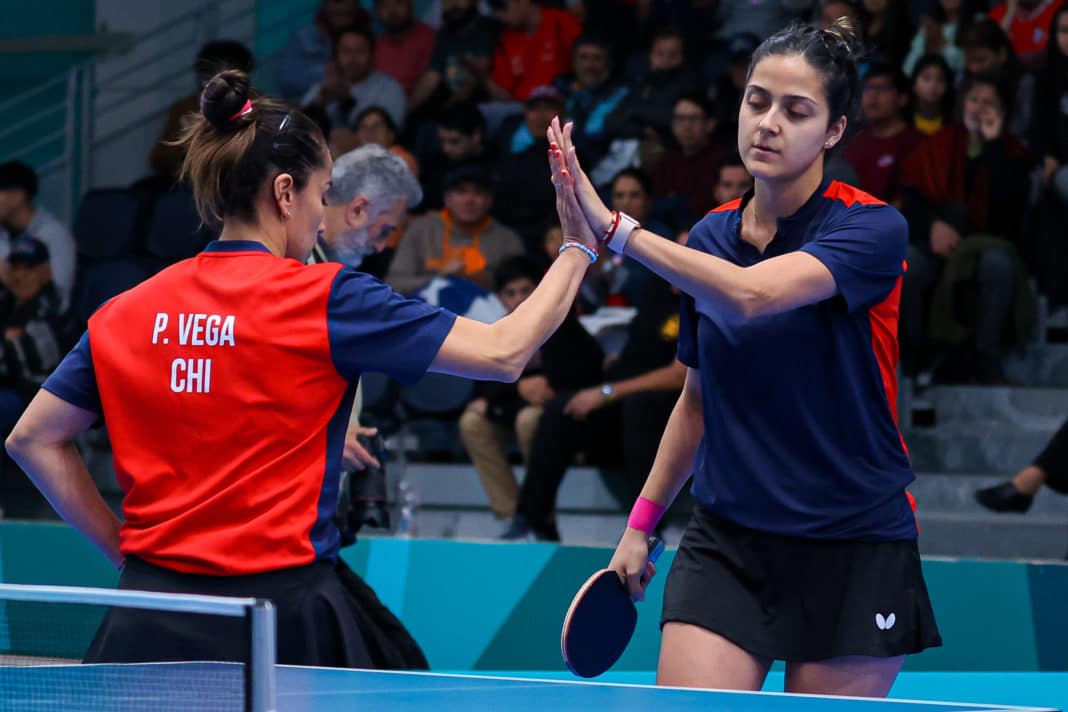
645,515
245,110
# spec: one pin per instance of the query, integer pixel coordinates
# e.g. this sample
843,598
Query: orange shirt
1029,31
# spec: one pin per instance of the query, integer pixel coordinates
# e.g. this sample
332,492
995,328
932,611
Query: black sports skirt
314,618
800,600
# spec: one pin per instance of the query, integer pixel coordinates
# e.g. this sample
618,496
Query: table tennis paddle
601,620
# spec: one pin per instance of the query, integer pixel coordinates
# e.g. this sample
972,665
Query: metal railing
60,125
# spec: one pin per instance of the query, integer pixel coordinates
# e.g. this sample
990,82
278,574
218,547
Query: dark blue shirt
800,419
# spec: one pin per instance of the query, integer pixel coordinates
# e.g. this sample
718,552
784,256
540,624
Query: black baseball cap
28,251
471,173
16,175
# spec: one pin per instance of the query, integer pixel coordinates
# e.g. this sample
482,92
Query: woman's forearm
60,474
521,333
678,448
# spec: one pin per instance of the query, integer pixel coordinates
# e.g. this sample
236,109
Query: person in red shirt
227,382
1027,24
877,150
533,49
403,49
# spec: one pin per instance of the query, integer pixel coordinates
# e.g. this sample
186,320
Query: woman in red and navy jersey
802,544
226,383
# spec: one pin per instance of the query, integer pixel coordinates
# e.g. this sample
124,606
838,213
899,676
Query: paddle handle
656,548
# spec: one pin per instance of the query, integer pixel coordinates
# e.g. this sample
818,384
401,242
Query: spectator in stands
939,30
647,111
726,89
877,150
461,132
36,333
533,48
592,94
350,84
687,174
462,240
303,61
616,423
504,413
213,57
987,51
462,59
1027,24
375,125
403,49
734,181
617,280
738,16
1048,250
887,29
932,94
964,192
368,199
20,217
523,199
1050,468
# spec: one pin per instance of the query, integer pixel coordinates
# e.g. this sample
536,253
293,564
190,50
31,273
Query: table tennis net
46,631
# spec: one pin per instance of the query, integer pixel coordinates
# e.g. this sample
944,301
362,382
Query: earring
827,144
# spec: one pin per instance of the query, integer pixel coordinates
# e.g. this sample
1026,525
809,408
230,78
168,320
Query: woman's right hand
631,562
597,213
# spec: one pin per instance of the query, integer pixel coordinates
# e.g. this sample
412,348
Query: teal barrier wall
488,606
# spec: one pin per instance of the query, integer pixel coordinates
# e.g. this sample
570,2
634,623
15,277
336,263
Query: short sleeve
865,251
74,380
372,328
688,351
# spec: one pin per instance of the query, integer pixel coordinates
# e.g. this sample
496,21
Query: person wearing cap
20,217
35,331
522,200
533,48
461,240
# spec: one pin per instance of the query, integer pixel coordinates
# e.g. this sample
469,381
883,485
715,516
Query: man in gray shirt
350,84
19,216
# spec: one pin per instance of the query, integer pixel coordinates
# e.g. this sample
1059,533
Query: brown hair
238,141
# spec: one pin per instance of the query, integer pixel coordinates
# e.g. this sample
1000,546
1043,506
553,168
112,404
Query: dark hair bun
845,36
223,97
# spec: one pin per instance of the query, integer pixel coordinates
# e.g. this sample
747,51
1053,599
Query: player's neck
774,200
244,232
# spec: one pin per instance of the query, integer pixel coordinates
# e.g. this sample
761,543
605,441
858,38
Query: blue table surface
215,686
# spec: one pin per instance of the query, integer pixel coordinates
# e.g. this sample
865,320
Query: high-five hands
564,159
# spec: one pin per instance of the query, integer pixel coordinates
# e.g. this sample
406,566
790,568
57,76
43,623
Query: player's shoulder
709,232
852,205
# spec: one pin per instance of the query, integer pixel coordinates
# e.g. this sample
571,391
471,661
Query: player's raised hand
597,213
572,219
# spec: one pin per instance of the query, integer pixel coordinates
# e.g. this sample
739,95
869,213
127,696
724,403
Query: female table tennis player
802,544
226,383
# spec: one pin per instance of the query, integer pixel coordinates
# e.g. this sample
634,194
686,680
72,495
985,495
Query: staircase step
989,447
1044,365
1003,536
1024,407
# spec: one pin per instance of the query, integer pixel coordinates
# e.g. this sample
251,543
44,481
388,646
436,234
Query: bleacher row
125,235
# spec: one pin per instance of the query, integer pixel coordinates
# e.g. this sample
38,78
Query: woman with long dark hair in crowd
932,94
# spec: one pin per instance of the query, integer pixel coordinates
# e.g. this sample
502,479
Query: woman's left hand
597,213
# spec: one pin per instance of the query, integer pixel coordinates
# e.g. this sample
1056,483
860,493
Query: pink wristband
645,515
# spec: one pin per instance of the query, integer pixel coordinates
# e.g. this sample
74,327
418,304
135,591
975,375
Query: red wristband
645,515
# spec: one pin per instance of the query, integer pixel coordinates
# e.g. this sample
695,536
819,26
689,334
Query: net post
261,683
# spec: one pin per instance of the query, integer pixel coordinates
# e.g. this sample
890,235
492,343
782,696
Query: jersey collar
236,246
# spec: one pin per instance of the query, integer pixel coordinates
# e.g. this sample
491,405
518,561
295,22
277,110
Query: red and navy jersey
800,418
226,383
